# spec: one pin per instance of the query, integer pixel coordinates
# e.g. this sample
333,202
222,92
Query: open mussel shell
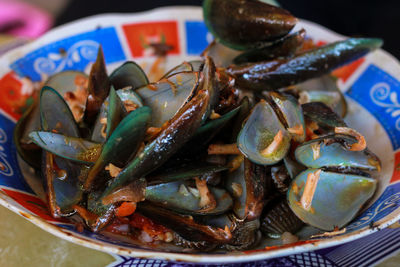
193,65
205,134
30,121
55,114
66,81
167,96
248,187
292,114
189,228
278,218
337,199
130,75
323,89
172,137
61,176
71,148
250,23
62,184
126,95
167,143
258,133
331,152
123,142
184,198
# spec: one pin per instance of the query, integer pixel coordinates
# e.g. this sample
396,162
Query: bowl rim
65,234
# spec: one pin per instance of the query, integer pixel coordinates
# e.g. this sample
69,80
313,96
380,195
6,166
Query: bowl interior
371,85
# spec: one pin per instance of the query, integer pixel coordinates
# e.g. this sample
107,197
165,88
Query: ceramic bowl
371,86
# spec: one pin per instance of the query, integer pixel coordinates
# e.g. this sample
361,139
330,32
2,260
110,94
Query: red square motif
33,204
396,170
142,37
13,99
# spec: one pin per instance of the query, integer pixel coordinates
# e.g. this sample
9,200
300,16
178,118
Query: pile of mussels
218,150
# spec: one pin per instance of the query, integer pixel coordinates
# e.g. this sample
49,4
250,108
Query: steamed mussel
215,154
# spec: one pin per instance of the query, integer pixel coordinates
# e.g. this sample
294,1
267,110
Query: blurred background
368,18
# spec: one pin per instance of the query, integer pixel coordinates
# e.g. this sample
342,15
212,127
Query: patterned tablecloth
366,251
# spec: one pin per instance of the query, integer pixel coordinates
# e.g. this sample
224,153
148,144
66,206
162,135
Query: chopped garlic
207,200
309,189
361,143
273,147
104,127
220,149
183,190
329,234
194,191
113,170
214,115
237,190
316,149
130,105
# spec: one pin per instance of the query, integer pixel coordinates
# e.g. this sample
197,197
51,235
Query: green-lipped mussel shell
62,177
292,114
116,112
325,89
206,133
71,148
259,131
248,186
250,23
323,115
173,196
123,142
166,97
125,94
105,213
285,47
193,65
335,155
337,199
279,73
188,227
65,81
185,172
128,74
62,183
55,114
30,121
98,87
179,130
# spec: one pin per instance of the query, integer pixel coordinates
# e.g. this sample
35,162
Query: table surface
24,244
